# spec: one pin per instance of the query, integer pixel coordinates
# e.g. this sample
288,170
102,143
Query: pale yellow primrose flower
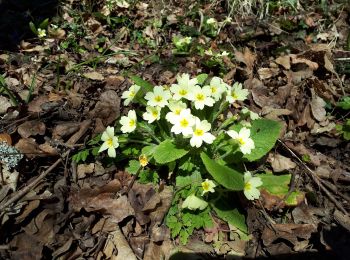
130,94
200,133
175,109
143,160
212,21
110,141
192,202
217,88
128,122
208,186
41,33
201,97
183,86
236,93
252,115
159,97
183,41
246,144
152,114
250,186
184,123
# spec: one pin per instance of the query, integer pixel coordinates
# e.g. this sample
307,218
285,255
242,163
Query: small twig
315,179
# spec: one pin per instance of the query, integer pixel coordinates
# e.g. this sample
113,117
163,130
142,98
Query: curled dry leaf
266,73
107,108
29,147
4,104
4,137
318,107
31,128
94,76
284,61
281,163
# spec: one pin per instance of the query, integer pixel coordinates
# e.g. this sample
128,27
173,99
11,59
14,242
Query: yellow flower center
131,122
247,186
198,132
154,113
158,98
184,123
183,92
200,97
177,112
234,95
132,94
205,186
213,89
109,142
241,141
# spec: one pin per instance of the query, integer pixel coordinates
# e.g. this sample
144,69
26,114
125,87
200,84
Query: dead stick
315,179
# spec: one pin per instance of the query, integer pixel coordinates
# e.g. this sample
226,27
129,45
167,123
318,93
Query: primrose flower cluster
187,111
181,103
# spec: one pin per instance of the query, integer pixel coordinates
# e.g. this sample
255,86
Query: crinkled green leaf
227,177
133,167
166,152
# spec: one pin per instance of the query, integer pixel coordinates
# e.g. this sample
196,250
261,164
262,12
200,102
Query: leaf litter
68,90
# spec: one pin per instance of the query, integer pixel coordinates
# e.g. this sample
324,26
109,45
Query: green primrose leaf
167,152
33,28
44,24
264,133
201,78
345,103
133,167
278,185
228,212
227,177
145,85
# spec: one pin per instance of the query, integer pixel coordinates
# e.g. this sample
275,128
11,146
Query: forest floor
61,87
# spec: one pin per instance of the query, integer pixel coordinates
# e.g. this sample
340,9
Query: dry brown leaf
32,205
298,76
31,128
266,73
94,75
85,169
4,104
107,108
117,248
248,58
4,137
35,105
295,59
318,107
281,163
29,147
291,232
284,61
274,113
65,129
8,178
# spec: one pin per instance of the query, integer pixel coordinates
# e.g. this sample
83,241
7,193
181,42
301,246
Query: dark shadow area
15,16
296,256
